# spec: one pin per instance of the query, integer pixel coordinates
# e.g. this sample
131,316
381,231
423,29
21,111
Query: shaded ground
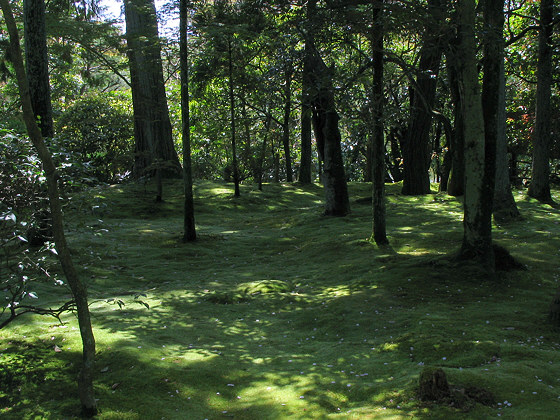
277,312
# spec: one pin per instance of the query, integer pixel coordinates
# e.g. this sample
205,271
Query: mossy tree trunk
378,138
479,179
36,59
189,234
416,150
79,292
539,187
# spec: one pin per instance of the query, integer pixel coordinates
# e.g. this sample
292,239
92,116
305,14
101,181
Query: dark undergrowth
278,312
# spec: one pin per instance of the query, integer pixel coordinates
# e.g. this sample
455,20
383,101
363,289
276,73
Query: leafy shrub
21,176
98,132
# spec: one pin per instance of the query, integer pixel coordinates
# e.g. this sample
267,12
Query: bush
98,131
21,176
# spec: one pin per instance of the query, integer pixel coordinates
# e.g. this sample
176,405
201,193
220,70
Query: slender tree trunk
232,117
540,178
79,292
306,109
456,183
505,208
492,100
154,149
188,222
378,138
286,122
477,223
36,58
263,151
416,150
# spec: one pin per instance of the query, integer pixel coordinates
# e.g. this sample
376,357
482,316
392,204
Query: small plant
22,269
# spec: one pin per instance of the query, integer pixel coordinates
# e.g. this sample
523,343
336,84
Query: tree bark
477,232
493,103
327,134
286,122
378,138
232,122
456,183
79,292
37,59
306,111
504,209
416,150
188,221
540,178
154,147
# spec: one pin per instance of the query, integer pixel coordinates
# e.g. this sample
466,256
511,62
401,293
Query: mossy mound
246,291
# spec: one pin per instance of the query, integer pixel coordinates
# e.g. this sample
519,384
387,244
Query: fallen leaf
57,349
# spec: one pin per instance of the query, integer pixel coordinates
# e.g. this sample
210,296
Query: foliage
98,132
23,272
21,179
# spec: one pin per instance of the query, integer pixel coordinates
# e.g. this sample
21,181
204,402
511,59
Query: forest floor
277,312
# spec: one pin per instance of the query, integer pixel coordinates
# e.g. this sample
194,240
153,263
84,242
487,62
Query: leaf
57,349
33,295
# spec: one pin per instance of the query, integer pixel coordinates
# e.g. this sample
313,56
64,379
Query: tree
152,127
416,145
287,93
188,223
378,138
79,292
540,179
306,113
493,100
36,58
479,167
327,135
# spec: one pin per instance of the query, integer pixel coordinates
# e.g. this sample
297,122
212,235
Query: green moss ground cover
277,312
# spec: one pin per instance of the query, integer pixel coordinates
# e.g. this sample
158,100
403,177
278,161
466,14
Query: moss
274,303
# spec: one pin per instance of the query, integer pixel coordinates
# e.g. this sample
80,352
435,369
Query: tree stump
433,384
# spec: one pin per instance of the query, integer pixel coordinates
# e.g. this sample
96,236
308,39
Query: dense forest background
258,50
418,97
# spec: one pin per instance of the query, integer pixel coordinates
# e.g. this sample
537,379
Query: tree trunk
286,122
416,150
263,151
188,221
493,103
378,138
154,149
79,292
505,209
306,111
477,233
540,178
36,58
327,134
456,183
232,122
